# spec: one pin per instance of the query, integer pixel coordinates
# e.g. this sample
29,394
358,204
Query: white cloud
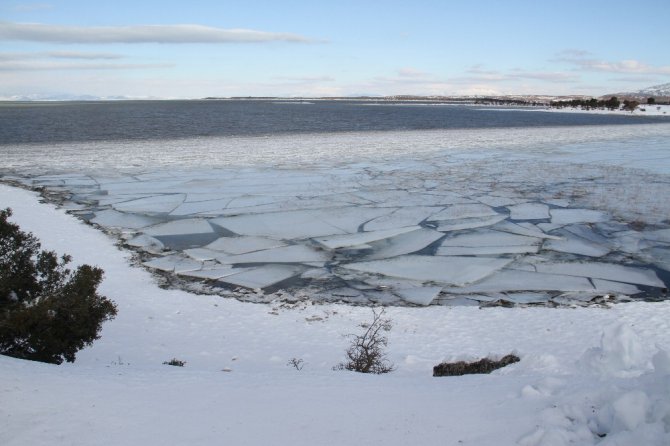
30,7
37,32
412,73
82,55
50,66
583,61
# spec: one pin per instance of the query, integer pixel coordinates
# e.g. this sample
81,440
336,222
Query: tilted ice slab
406,216
490,238
156,205
147,243
608,286
486,250
527,229
490,242
181,234
402,244
301,224
284,254
361,238
200,207
459,211
576,245
569,216
469,223
263,276
514,280
114,219
243,245
607,271
449,270
529,211
173,264
212,272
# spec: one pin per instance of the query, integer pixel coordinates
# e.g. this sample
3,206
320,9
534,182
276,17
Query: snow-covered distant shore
586,376
641,110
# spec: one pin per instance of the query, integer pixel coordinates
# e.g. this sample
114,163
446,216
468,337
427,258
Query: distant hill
659,92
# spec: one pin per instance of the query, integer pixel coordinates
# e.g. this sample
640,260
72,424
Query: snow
118,391
588,374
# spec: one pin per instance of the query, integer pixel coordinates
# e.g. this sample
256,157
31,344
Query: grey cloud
37,32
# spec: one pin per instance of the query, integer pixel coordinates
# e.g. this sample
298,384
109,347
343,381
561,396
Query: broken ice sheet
606,286
115,219
488,242
526,298
211,272
361,238
284,254
606,271
180,234
155,205
569,216
243,245
300,224
515,280
146,243
460,211
469,223
529,211
402,244
263,276
576,245
449,270
173,263
527,229
411,291
406,216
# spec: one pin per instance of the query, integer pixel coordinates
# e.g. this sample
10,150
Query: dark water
151,120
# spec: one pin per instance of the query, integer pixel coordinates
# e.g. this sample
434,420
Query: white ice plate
514,280
459,211
111,218
243,245
263,276
576,245
180,227
449,270
404,244
607,271
360,238
569,216
529,211
469,223
156,205
284,254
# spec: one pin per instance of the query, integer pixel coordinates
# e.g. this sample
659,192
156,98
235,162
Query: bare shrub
297,363
175,362
366,352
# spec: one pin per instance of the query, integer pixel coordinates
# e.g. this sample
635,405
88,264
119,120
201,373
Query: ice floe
448,270
263,276
607,271
529,211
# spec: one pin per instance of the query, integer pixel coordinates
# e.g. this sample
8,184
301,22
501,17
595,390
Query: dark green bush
47,312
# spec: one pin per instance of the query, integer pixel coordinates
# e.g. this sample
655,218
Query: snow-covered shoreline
118,391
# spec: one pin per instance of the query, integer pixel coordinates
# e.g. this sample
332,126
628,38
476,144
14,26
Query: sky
196,49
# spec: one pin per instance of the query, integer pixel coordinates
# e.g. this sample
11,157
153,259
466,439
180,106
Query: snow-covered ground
573,383
587,375
641,110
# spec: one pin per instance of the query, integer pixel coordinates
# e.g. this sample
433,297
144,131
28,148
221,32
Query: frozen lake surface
548,215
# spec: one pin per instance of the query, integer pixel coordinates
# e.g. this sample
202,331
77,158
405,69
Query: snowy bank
236,387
